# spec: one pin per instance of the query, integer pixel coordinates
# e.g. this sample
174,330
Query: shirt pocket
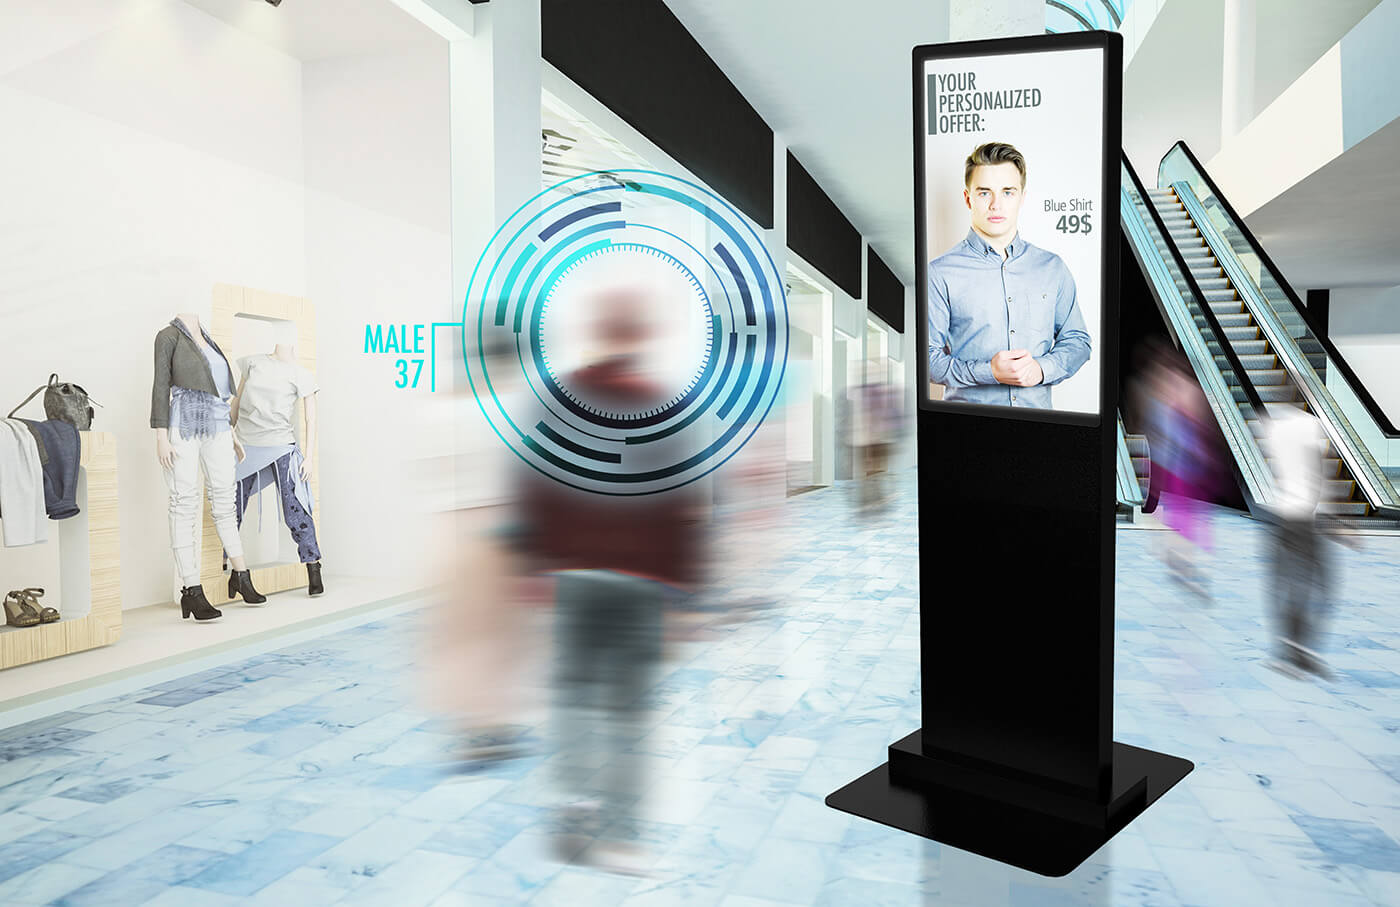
1040,321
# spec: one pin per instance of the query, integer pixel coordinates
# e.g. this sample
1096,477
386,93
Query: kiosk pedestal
1016,759
1013,821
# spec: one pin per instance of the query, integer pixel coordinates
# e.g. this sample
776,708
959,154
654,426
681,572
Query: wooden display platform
229,303
89,563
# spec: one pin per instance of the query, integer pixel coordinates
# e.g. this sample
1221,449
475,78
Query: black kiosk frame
1016,759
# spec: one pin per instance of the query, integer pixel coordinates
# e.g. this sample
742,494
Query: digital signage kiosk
1016,148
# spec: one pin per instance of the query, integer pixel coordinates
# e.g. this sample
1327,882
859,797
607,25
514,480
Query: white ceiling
322,29
833,80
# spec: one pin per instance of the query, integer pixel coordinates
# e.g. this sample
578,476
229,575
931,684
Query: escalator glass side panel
1129,489
1281,333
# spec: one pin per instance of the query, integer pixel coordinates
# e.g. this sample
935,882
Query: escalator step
1266,362
1344,508
1250,347
1208,283
1244,333
1233,321
1338,489
1274,393
1268,378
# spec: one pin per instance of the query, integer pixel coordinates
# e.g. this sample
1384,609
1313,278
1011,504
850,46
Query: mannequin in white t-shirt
264,414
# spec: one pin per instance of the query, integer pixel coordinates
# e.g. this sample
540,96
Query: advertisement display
1013,229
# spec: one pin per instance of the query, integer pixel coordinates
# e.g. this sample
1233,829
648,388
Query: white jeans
216,456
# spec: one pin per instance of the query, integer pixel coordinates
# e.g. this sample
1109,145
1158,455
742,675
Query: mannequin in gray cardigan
190,416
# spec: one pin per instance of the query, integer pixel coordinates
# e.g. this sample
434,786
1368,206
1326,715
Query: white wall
378,250
1271,154
146,157
1364,324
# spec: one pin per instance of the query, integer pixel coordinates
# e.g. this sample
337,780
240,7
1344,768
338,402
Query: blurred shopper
618,562
479,664
877,422
1297,447
1186,466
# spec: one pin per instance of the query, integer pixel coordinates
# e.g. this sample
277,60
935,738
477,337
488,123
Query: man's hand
1016,367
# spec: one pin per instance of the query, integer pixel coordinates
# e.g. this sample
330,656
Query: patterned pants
302,526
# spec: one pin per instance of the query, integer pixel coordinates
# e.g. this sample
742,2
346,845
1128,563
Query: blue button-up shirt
980,304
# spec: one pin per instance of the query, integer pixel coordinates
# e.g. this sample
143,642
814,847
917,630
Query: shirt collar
982,247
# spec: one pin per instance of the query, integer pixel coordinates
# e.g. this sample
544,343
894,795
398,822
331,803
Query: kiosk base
1012,821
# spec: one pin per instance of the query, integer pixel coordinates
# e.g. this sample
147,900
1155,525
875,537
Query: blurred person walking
878,422
1297,448
619,563
1186,466
479,660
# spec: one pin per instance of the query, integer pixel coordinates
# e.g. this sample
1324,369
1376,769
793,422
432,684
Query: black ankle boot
192,601
240,582
313,579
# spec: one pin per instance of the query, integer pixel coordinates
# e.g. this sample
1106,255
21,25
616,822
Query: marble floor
317,774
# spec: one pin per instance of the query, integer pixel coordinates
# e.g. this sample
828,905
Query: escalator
1134,471
1249,341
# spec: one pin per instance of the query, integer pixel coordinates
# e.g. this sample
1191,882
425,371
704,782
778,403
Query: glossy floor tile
317,774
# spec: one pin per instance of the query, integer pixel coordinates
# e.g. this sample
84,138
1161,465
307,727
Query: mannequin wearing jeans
190,417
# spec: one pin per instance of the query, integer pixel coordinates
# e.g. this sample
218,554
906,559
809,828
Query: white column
495,78
495,98
995,19
824,408
1237,75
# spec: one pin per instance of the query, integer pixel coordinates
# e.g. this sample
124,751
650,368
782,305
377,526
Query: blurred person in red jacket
618,562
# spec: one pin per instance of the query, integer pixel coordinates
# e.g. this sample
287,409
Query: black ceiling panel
635,57
819,232
884,292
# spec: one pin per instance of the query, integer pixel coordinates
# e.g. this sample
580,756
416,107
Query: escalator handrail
1373,409
1246,383
1365,471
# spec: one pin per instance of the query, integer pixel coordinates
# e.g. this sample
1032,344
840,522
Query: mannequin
190,417
264,413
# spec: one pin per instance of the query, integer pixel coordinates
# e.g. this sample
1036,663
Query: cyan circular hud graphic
628,335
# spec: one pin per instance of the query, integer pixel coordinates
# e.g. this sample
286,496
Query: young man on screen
1003,325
